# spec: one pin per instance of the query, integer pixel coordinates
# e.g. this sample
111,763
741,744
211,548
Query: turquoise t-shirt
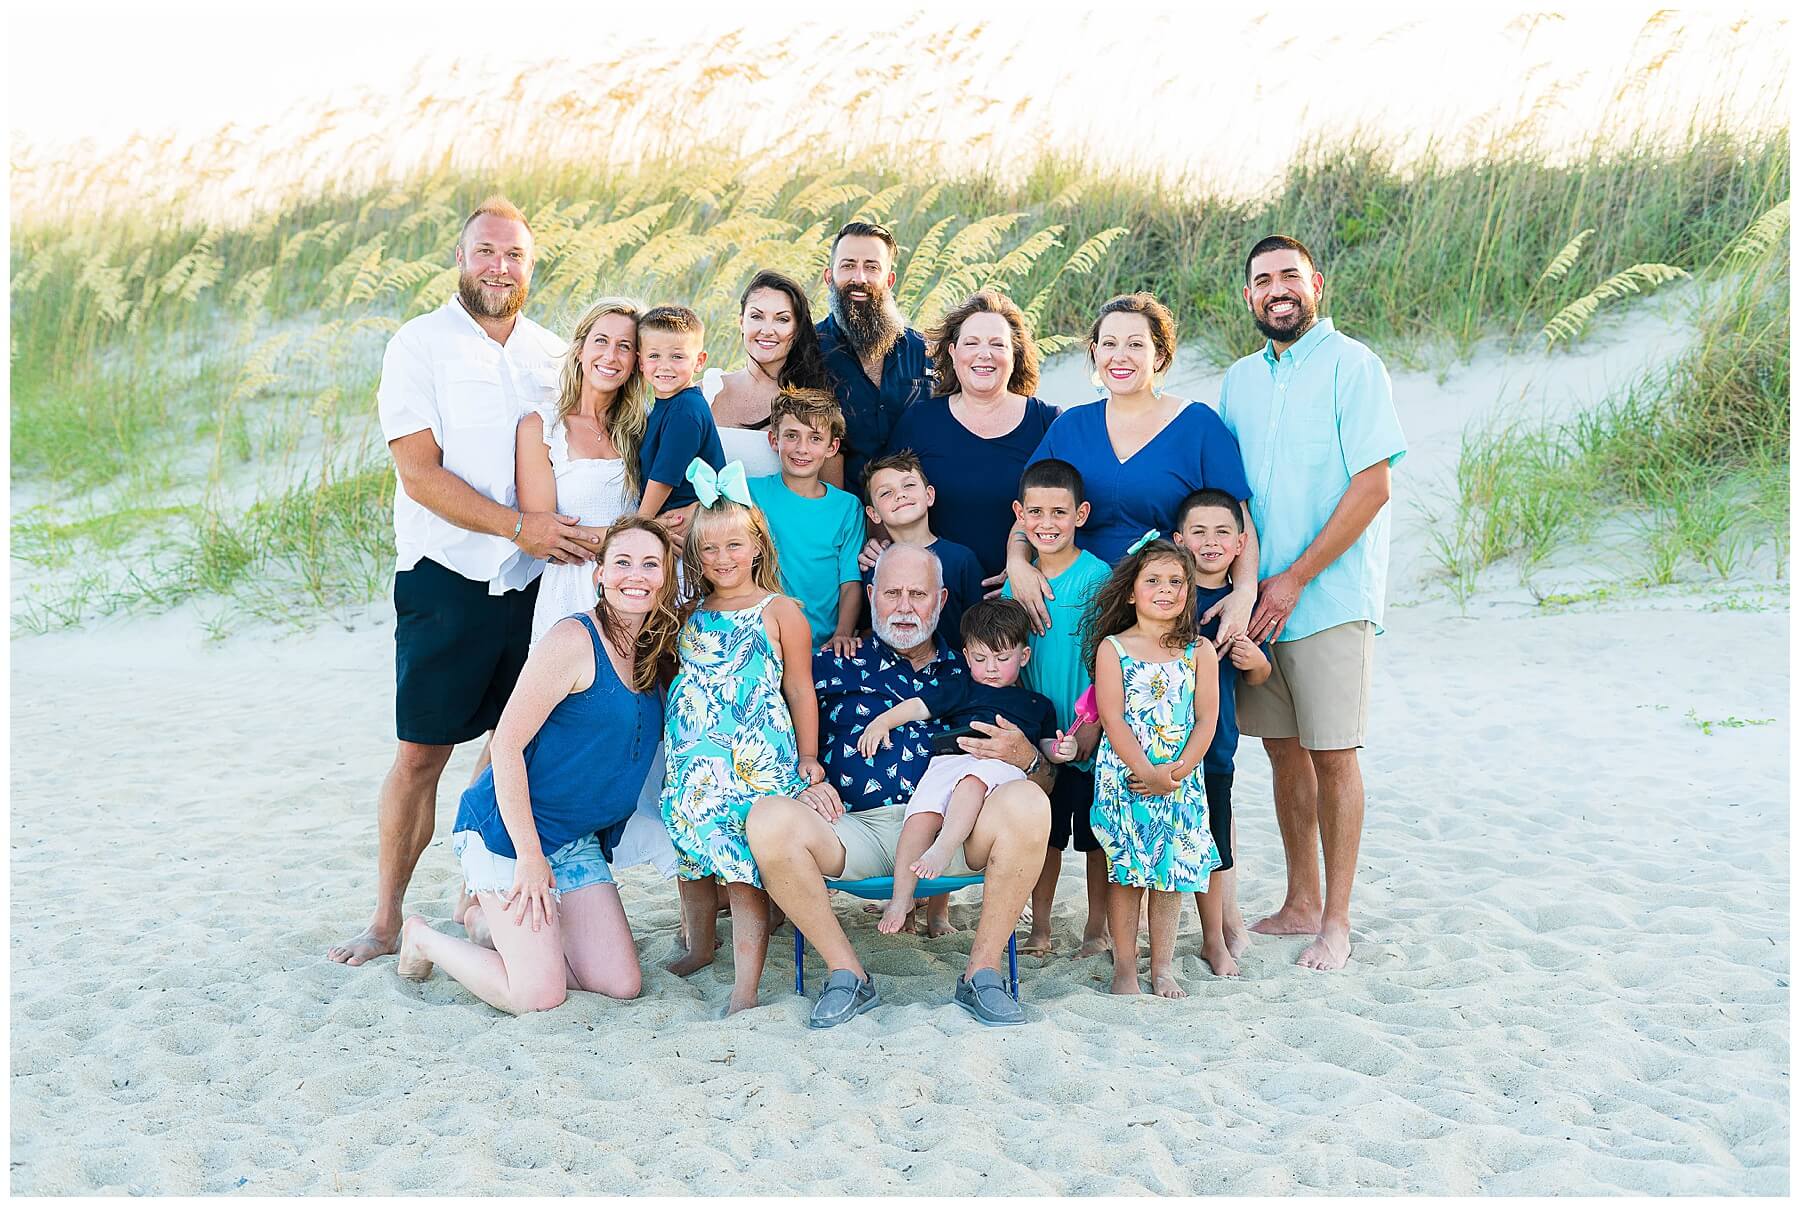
1056,668
816,541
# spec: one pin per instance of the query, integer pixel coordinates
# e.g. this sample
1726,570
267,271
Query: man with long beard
1313,413
877,363
454,385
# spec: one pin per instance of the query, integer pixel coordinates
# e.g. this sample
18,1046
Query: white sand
1570,973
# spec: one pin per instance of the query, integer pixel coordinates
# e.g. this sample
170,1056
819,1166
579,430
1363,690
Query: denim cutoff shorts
575,865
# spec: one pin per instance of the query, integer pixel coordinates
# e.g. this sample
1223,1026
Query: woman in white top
579,456
781,351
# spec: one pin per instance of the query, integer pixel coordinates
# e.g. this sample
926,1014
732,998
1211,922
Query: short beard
1306,313
872,327
468,288
885,632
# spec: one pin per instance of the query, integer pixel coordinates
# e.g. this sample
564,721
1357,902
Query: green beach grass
193,405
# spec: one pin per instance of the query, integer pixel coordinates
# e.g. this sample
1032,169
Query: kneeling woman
569,758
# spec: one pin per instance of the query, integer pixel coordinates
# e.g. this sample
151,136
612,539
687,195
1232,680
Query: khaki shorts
1317,691
869,839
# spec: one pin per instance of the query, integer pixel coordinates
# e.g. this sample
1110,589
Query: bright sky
1223,93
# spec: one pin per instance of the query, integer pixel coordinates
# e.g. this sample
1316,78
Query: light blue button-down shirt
1307,421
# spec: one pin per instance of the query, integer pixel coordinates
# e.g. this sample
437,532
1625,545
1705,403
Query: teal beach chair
879,888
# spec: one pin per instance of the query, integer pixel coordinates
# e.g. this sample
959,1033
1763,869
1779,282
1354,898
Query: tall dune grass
193,394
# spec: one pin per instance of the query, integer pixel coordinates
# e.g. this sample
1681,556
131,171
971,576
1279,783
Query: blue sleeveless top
585,768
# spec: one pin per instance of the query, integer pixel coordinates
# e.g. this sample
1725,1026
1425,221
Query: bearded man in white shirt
454,384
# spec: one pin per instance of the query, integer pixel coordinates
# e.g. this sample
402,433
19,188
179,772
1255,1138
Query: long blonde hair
629,412
765,571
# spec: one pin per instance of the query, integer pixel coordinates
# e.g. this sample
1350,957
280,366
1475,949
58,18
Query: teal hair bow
1144,540
712,485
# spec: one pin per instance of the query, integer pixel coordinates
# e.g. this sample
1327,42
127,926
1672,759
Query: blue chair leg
1012,965
799,962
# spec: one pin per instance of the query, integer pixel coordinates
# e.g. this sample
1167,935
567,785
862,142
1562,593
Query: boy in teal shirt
1052,504
818,529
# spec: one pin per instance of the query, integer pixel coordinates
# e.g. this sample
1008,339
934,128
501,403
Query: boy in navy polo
680,426
1210,525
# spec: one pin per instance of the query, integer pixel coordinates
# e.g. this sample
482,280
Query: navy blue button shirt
870,411
854,691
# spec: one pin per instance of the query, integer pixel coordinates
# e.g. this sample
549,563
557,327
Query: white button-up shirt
443,373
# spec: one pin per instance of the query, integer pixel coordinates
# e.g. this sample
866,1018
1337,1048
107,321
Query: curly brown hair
1113,612
943,337
653,649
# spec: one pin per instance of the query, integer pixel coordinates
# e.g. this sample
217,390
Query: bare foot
687,963
1219,955
1329,952
365,947
876,907
1237,939
475,922
932,863
463,902
1163,982
737,1003
776,917
1290,920
1094,945
897,917
1037,943
412,965
938,927
1125,979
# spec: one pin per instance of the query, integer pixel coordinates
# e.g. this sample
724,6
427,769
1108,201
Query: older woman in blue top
975,437
569,759
1140,451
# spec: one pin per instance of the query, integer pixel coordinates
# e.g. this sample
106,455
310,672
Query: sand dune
1570,974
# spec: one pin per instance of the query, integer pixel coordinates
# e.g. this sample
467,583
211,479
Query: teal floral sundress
1156,842
727,740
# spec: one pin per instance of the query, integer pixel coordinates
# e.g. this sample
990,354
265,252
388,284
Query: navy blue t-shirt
870,410
1195,449
976,479
958,701
1221,754
962,578
679,429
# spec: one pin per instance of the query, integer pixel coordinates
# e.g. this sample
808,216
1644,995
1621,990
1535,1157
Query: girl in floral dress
1157,685
742,721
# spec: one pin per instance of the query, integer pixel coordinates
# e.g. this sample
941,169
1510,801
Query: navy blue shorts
1071,797
457,653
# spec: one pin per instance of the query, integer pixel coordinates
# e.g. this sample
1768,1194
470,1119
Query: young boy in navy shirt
901,499
680,426
1210,525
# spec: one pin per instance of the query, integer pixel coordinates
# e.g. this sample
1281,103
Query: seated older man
846,828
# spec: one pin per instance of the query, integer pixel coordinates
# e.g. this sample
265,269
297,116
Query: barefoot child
817,528
743,722
949,794
1210,525
1052,504
680,426
1157,685
570,755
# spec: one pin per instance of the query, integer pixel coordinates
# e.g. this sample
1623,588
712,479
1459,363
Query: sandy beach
1570,975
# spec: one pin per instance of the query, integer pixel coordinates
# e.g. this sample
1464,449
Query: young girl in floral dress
1157,685
742,720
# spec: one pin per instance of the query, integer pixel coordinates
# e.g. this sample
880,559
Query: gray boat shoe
843,998
984,995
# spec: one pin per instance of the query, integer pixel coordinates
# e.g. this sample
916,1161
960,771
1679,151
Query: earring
1094,376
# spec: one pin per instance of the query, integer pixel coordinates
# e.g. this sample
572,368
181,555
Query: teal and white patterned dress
727,739
1157,842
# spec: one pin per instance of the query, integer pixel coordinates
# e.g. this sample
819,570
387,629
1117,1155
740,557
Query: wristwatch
1037,760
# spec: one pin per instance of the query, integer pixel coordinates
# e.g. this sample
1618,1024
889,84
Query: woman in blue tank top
569,759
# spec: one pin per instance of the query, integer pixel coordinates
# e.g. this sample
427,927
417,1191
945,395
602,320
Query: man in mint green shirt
1313,413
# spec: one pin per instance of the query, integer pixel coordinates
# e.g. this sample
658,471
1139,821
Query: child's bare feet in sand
410,964
939,925
896,917
687,962
1237,938
1125,978
1220,957
1037,943
1163,982
744,1001
1094,943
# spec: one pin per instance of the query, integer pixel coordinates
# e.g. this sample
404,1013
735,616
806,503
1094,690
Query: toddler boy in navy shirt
1210,525
680,426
